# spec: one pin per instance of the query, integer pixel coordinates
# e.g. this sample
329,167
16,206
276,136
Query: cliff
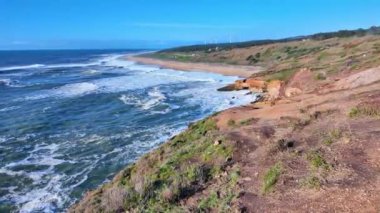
311,145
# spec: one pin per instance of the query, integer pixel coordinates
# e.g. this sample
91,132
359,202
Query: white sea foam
68,90
200,91
9,82
9,108
45,158
3,139
91,72
115,61
75,89
5,81
32,66
108,60
45,199
138,81
155,97
51,66
112,60
38,199
214,101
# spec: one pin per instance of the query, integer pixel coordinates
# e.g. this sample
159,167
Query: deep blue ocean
71,119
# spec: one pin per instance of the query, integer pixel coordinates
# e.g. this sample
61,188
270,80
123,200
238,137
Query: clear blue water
70,120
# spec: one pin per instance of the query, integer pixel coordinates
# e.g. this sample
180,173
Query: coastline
224,69
230,154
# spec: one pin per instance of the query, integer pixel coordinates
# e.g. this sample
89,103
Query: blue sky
47,24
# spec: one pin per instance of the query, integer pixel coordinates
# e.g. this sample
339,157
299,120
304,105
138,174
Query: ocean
71,119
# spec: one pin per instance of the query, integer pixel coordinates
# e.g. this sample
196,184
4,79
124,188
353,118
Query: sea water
70,120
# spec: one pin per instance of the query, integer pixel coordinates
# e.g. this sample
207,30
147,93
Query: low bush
311,182
365,110
271,177
317,161
332,136
231,123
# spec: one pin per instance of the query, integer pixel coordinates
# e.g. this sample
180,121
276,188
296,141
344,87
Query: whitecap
5,81
155,97
139,80
90,72
71,65
214,101
9,108
115,61
51,66
68,90
43,200
32,66
9,83
128,99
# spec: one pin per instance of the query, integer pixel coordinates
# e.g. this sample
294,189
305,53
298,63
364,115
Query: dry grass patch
365,110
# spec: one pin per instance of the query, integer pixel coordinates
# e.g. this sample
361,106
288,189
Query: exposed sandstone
300,82
275,90
358,79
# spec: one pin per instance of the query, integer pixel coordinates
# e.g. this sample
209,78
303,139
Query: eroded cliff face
313,148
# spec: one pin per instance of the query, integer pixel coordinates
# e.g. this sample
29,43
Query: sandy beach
224,69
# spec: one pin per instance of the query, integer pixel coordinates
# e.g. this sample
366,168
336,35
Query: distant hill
375,30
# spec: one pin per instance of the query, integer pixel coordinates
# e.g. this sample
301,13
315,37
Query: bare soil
352,182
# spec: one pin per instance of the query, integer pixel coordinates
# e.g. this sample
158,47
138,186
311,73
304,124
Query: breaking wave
79,125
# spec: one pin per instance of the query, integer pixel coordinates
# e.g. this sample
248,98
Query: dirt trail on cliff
323,148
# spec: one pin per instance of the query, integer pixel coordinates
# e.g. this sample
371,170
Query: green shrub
283,75
271,177
370,111
311,182
332,136
247,121
209,203
320,76
317,161
231,123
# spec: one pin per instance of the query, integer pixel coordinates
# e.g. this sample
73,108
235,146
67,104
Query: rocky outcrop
252,84
272,90
300,82
275,90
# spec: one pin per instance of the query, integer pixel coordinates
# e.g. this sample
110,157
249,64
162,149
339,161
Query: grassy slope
175,171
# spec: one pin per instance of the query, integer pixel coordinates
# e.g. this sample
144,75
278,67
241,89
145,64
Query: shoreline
224,69
236,149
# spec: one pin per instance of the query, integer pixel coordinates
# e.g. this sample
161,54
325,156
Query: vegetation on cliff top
173,172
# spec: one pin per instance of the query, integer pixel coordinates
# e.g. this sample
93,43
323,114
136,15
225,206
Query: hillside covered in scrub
324,53
315,148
